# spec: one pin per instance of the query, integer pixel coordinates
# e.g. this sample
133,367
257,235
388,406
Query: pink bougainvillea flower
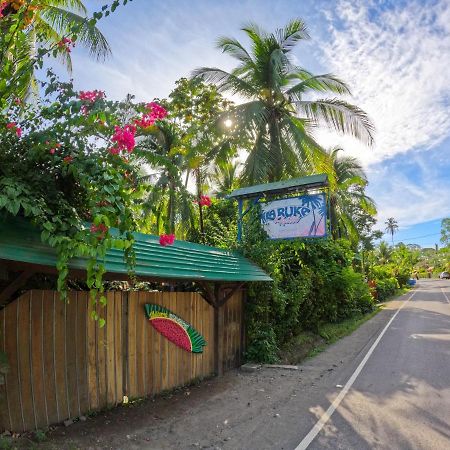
101,229
124,138
155,112
68,159
66,44
145,121
204,201
17,101
13,126
52,151
3,5
166,239
91,96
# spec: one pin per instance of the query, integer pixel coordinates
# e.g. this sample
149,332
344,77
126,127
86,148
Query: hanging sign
174,328
294,217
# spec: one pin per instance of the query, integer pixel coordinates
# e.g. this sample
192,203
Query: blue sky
395,55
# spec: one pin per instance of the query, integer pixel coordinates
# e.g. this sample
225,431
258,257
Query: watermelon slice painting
174,328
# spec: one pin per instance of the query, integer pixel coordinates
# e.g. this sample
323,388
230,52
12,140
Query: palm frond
293,32
341,116
89,36
318,83
224,81
235,49
75,6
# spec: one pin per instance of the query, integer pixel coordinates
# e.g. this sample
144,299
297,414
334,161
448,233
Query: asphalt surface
391,378
401,398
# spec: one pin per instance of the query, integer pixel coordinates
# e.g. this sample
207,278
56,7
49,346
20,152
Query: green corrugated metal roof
20,241
295,184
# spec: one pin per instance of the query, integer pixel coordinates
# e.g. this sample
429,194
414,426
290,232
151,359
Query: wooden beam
12,287
230,294
208,293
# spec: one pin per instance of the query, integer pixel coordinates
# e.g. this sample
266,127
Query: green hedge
314,282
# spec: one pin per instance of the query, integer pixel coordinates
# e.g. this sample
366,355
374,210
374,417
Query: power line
418,237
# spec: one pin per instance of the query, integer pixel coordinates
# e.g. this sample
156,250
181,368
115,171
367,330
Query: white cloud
397,63
414,188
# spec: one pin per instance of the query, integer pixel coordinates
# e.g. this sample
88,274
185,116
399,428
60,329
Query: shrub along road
385,386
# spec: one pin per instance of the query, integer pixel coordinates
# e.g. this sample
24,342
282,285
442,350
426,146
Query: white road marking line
337,401
445,295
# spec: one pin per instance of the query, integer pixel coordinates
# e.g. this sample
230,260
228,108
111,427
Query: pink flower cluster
166,239
205,201
155,112
3,5
124,139
101,229
91,96
13,126
66,44
53,149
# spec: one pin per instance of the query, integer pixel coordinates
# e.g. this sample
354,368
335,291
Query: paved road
386,386
401,397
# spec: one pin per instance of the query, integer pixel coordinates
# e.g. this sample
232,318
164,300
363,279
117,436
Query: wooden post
218,332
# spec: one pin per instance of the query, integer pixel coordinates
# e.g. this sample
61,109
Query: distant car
444,275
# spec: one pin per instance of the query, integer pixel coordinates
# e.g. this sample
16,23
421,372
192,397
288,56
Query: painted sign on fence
303,216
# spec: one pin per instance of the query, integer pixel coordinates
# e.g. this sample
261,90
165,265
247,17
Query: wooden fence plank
5,423
60,358
48,357
71,354
148,349
37,363
101,357
24,355
82,351
140,344
92,357
156,343
12,379
118,346
110,349
132,384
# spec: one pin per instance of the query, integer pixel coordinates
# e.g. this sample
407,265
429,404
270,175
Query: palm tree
46,23
384,253
347,193
391,227
168,202
279,112
225,177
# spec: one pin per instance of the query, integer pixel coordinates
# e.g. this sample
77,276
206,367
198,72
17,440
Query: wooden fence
63,365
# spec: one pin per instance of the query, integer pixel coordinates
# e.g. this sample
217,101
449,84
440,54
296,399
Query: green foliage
445,232
314,282
34,30
60,174
386,287
278,113
391,268
220,225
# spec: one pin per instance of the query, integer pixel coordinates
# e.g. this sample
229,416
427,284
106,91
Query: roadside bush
314,283
386,287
